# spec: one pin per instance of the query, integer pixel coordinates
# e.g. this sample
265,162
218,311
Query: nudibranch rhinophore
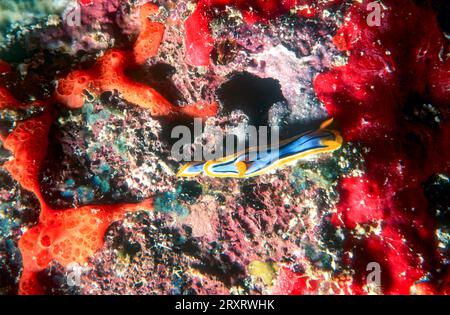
243,165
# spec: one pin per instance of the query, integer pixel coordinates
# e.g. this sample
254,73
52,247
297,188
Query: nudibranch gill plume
256,161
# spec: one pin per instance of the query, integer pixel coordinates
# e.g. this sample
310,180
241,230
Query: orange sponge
108,74
150,37
67,236
28,143
70,91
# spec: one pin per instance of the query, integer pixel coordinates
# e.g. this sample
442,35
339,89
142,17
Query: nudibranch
256,161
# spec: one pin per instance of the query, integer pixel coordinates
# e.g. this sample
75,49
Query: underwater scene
224,147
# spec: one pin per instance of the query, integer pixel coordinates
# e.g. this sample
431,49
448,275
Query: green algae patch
266,271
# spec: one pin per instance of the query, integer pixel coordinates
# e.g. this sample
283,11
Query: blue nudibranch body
241,165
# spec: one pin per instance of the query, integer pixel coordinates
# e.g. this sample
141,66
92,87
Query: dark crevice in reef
190,191
420,110
55,282
251,197
232,274
52,172
213,261
443,14
4,154
442,9
159,77
38,78
250,94
167,126
10,265
437,192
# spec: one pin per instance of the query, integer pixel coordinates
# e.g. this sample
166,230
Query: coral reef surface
90,94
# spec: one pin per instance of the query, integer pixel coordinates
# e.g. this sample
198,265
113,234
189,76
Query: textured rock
86,114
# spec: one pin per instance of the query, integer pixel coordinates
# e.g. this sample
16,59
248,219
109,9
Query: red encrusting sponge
389,67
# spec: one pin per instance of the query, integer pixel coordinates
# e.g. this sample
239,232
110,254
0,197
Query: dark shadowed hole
442,9
10,266
251,198
4,154
437,192
419,110
159,77
5,127
190,191
230,274
52,171
443,13
54,281
6,181
161,71
250,94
